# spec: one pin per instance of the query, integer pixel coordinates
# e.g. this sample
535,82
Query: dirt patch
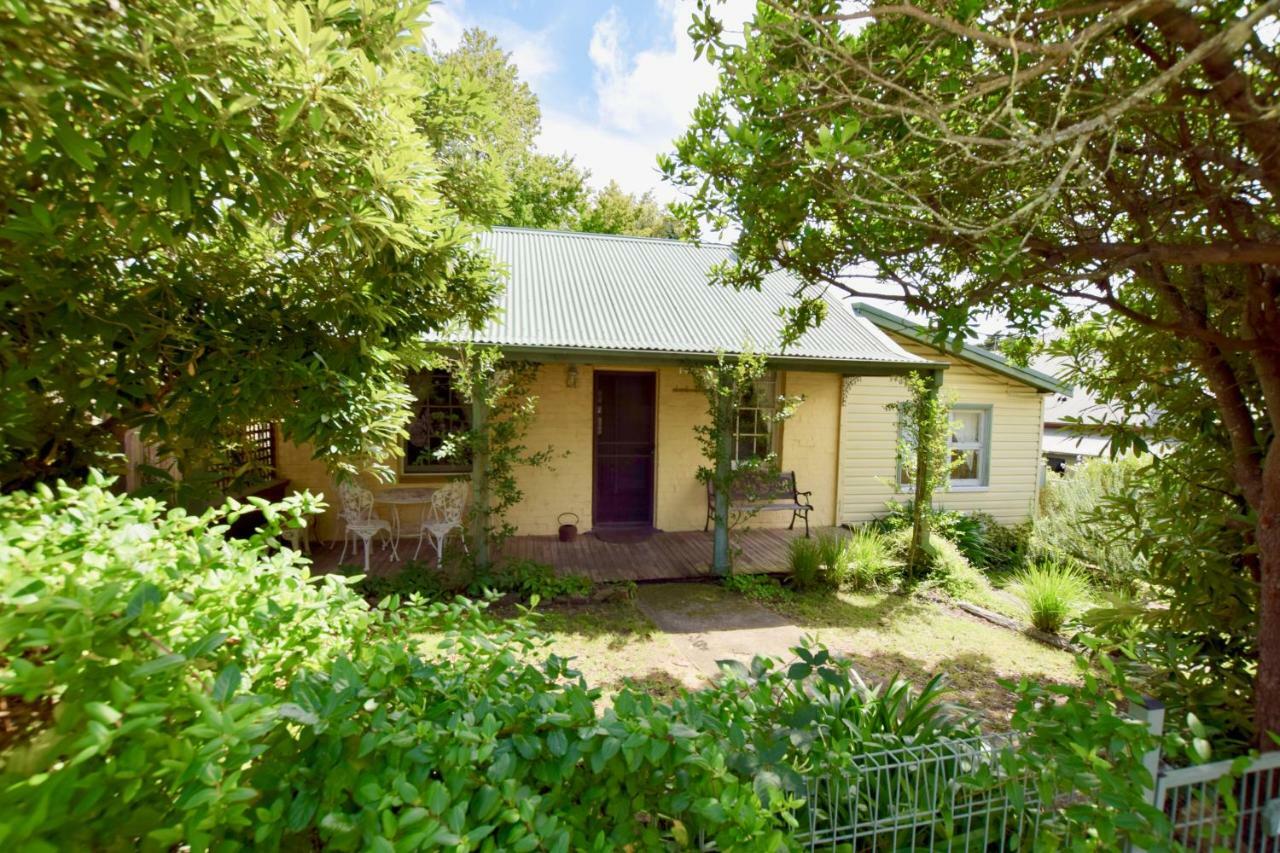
707,623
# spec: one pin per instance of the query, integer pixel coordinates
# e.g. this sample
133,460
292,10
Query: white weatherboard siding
868,442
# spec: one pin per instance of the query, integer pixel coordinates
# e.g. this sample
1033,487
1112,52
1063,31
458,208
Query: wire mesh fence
951,795
981,794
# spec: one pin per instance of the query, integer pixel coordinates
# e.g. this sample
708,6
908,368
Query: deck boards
664,556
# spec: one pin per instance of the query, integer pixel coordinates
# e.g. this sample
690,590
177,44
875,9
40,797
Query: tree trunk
721,562
923,503
1267,683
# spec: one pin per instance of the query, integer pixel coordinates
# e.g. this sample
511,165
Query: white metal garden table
405,497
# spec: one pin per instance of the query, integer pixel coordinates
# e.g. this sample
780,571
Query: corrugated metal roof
606,293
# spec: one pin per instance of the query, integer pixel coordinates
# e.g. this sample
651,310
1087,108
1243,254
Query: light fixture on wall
571,376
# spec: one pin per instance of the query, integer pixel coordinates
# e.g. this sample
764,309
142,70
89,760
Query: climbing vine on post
924,449
502,408
725,384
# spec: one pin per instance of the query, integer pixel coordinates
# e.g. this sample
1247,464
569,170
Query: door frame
653,458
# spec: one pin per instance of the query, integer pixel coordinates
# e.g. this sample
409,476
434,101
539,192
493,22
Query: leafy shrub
1085,752
952,572
871,560
986,543
1068,526
805,560
529,578
415,577
1053,594
947,568
188,690
756,587
1008,548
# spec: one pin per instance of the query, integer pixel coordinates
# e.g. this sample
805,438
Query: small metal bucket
568,529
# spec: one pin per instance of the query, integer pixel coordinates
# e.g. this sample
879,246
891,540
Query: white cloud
607,154
641,97
644,98
447,24
530,50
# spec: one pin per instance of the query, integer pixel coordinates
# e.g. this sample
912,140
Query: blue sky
617,81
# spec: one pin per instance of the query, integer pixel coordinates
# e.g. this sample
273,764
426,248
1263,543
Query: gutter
593,355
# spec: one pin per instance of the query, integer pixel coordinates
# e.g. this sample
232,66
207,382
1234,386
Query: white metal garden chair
444,515
359,521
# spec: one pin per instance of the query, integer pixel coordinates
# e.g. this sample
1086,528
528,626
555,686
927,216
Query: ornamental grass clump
805,558
821,563
870,560
1053,593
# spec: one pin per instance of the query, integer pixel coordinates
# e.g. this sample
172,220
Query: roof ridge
600,235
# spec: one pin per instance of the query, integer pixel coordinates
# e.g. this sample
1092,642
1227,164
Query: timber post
479,468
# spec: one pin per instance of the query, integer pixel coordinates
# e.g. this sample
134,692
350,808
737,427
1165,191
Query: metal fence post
1151,712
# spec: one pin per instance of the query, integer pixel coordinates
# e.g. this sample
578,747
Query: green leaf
226,683
141,140
290,114
158,665
76,146
102,712
799,671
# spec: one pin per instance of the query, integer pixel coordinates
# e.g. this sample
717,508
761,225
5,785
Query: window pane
753,431
967,425
967,467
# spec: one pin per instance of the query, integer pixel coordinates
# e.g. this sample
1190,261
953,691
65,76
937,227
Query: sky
617,81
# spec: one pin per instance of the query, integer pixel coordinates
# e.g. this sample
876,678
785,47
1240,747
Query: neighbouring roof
1063,442
1078,408
571,294
992,361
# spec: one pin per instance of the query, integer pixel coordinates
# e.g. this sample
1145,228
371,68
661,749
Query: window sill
910,490
429,476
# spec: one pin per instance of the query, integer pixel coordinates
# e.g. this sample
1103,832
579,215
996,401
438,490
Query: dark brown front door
624,428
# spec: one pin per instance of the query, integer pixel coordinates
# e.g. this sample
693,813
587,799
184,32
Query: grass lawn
883,633
612,643
886,633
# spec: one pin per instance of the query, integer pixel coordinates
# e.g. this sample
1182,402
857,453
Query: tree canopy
484,120
1035,160
217,214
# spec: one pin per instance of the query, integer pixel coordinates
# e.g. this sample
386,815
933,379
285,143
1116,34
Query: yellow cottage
611,321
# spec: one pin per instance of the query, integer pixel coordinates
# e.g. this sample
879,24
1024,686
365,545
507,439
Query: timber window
970,444
441,418
755,435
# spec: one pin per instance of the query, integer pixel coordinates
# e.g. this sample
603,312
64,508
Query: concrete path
706,623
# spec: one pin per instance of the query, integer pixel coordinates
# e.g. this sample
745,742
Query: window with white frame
970,441
755,435
970,447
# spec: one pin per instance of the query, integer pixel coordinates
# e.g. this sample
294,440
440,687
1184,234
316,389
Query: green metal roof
573,295
975,355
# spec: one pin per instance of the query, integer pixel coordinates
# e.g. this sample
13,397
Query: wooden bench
765,492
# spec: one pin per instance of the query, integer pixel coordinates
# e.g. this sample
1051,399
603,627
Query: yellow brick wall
868,441
564,423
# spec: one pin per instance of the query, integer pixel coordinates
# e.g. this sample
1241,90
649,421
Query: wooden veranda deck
664,556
